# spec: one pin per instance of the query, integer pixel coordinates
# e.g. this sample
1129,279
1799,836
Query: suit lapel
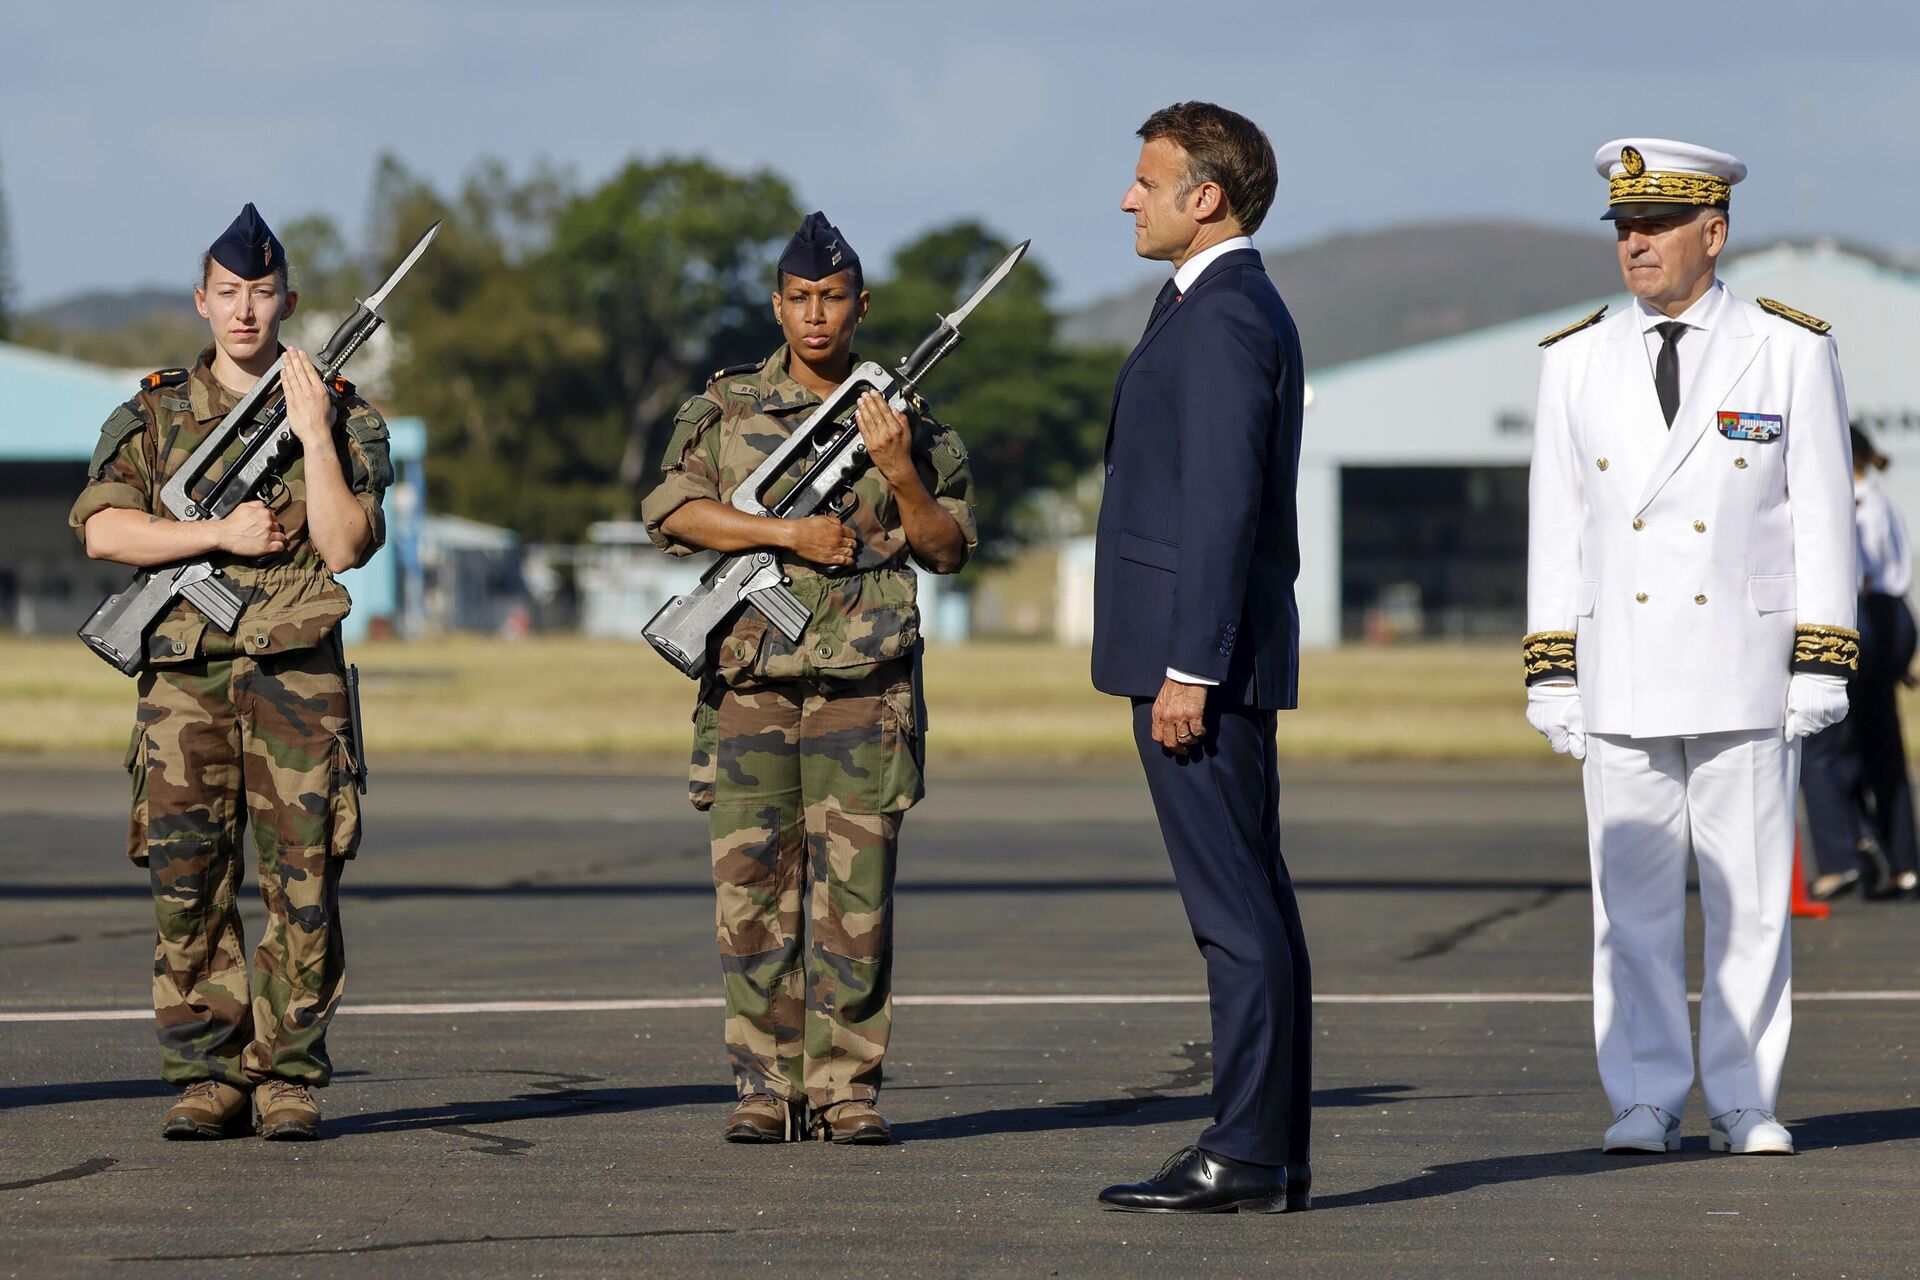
1729,350
1226,261
1146,339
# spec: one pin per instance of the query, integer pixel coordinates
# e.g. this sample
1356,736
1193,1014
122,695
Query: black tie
1666,368
1167,296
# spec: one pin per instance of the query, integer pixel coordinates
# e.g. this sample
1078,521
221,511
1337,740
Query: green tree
1033,414
672,264
518,431
551,332
325,272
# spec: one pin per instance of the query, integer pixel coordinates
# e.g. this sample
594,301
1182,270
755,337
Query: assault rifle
829,446
118,629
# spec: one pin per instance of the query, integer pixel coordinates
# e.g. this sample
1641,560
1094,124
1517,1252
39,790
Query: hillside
109,309
1364,293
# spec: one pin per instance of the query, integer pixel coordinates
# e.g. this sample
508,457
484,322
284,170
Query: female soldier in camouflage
807,755
249,728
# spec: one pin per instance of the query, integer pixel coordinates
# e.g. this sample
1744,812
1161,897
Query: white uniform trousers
1729,797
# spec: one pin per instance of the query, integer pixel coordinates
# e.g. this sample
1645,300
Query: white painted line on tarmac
989,1000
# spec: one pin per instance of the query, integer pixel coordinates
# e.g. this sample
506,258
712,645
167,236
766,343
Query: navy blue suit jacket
1199,543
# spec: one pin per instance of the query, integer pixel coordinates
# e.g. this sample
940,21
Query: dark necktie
1167,296
1666,368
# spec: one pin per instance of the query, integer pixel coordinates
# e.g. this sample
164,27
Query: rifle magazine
782,609
213,597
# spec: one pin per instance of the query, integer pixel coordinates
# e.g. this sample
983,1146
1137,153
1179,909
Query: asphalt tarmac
1049,1039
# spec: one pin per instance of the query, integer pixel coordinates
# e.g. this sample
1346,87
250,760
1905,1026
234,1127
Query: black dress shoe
1196,1181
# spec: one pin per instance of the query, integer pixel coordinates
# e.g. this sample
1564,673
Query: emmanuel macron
1195,622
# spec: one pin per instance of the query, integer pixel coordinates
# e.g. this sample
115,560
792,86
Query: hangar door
1433,552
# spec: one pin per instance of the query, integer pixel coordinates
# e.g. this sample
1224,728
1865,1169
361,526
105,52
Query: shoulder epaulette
163,378
1572,329
1800,318
734,370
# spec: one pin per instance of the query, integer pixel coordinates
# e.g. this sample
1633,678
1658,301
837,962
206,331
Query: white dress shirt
1886,557
1701,315
1183,279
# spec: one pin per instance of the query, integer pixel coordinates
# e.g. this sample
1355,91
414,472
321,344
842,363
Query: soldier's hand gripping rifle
829,446
118,629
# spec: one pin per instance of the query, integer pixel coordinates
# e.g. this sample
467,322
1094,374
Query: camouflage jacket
862,617
293,601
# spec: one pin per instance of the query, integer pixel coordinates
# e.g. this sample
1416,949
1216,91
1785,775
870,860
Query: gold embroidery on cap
1668,188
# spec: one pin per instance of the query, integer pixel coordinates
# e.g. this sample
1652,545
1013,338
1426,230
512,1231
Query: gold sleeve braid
1548,655
1825,651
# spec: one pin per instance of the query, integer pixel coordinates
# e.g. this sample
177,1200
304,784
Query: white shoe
1643,1127
1749,1131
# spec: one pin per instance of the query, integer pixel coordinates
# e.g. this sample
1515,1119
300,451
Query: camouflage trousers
260,743
810,779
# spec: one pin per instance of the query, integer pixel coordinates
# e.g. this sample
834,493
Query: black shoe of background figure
1196,1181
1878,882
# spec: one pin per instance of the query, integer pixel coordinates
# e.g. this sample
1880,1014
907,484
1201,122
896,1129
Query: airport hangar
51,408
1413,472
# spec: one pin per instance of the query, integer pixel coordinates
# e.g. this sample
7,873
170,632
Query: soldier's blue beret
818,250
248,247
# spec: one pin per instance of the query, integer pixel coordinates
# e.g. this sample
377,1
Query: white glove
1555,710
1814,702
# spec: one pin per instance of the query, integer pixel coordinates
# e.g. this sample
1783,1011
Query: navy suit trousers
1219,811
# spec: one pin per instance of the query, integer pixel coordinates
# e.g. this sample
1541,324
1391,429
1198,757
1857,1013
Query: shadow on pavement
63,890
70,1092
1144,1107
541,1105
1842,1129
54,1095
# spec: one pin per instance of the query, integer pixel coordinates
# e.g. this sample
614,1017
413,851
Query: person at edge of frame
1854,777
1690,617
807,755
1196,624
249,730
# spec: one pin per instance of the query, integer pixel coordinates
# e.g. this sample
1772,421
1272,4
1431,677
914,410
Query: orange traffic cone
1802,906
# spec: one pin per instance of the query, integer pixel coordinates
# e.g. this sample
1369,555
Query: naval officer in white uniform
1690,604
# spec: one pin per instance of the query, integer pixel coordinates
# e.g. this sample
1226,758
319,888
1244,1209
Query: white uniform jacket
1694,568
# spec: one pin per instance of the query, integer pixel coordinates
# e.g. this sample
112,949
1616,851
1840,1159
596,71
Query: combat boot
205,1109
854,1122
761,1118
288,1112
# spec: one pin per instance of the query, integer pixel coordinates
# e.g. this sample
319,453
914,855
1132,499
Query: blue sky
129,134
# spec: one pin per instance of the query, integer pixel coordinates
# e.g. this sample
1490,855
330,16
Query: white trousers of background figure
1729,799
